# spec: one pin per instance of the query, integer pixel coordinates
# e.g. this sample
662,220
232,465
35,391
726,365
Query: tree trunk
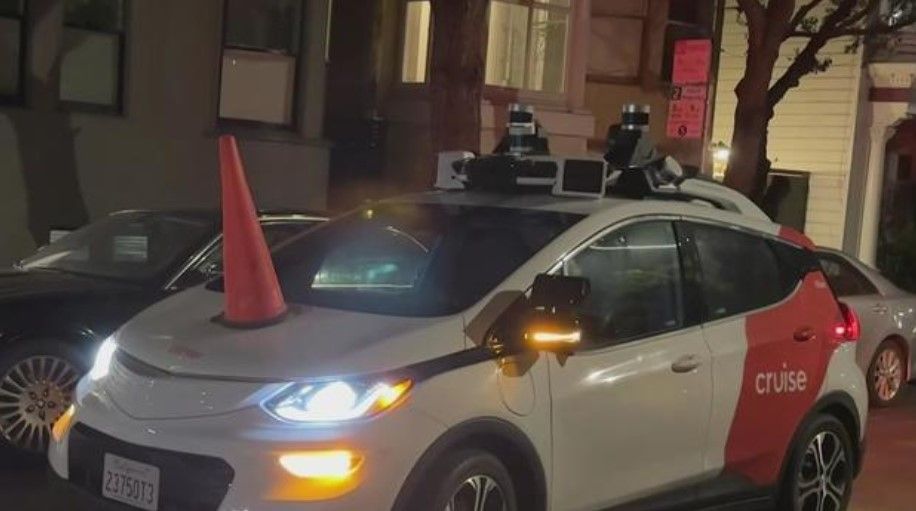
457,73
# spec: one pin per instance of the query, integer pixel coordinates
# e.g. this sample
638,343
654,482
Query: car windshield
408,259
127,246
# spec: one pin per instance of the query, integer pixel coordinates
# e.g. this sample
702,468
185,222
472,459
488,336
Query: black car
56,306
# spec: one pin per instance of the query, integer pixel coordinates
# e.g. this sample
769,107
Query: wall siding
814,126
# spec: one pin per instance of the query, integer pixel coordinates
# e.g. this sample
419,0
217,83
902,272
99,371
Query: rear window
409,259
844,278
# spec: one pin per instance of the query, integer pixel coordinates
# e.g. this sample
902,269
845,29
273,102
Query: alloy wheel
823,477
888,374
34,393
478,493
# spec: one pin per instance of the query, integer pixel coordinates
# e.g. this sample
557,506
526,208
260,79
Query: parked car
888,322
59,304
672,352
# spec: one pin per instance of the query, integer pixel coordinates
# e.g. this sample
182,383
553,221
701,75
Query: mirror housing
551,324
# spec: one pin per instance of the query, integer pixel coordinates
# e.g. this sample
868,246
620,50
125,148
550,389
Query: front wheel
886,374
820,471
37,381
467,480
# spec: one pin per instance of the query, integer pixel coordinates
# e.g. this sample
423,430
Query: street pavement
887,483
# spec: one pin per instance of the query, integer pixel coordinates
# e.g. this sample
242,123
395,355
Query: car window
740,271
636,284
136,246
844,278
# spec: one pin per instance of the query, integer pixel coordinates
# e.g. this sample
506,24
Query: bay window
11,48
91,63
527,44
261,45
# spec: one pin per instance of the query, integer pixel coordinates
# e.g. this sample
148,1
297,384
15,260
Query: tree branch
869,8
806,61
803,13
756,20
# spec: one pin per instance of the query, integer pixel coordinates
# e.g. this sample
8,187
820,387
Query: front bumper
230,462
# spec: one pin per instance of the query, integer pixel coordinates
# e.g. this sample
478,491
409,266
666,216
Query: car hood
175,361
28,284
180,336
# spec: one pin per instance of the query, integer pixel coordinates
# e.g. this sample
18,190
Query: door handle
686,364
805,334
879,309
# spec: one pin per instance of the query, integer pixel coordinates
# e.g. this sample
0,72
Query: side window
636,281
740,272
844,278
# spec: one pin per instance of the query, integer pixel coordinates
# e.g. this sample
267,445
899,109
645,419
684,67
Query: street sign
692,61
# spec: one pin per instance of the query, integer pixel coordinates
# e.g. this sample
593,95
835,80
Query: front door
630,410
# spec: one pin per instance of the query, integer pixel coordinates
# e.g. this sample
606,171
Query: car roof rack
632,168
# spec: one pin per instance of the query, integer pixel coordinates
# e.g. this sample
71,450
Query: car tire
37,381
808,482
885,381
460,478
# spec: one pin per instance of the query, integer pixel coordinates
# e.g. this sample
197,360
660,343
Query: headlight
103,360
335,401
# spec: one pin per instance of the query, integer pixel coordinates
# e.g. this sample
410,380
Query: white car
484,350
888,319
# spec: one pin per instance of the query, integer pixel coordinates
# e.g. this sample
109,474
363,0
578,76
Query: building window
92,55
11,48
415,59
527,44
261,45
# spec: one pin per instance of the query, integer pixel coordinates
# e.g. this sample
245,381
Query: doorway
897,228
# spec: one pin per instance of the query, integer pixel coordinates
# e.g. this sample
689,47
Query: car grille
187,481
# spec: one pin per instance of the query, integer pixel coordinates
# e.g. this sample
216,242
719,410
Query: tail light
849,329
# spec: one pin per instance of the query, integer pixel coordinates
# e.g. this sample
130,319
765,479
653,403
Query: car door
769,323
630,409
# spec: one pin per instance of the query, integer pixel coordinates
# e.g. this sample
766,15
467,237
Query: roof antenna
253,295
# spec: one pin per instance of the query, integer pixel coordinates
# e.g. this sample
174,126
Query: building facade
576,61
115,104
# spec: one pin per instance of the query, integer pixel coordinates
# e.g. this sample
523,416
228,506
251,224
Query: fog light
62,426
321,464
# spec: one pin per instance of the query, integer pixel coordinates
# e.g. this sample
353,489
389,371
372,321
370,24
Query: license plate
131,482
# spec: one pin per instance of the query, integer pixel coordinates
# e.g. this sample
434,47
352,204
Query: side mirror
551,324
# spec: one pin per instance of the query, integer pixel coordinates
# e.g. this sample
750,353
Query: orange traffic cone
253,295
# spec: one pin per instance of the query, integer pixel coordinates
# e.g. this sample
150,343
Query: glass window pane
740,271
9,56
10,7
547,66
105,15
264,24
558,3
507,45
257,86
636,284
416,42
844,279
89,67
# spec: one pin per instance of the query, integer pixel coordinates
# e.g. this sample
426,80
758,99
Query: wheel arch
499,437
841,406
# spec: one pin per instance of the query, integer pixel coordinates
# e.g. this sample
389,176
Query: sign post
690,78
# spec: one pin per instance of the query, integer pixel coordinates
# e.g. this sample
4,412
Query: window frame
691,310
117,109
496,94
17,98
298,69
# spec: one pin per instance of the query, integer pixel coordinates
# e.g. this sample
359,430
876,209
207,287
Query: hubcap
33,395
477,493
824,475
888,374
